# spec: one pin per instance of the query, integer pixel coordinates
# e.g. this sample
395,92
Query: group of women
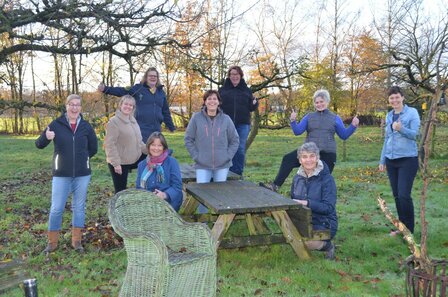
216,139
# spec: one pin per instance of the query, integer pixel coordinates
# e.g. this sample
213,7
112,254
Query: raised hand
293,116
101,87
397,125
49,134
355,121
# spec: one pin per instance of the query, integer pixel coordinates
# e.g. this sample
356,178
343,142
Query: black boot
330,250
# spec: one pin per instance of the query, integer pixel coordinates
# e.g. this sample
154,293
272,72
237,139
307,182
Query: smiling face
212,103
73,109
308,161
127,107
235,77
320,104
396,101
152,78
156,148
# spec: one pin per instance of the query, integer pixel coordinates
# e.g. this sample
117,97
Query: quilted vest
321,130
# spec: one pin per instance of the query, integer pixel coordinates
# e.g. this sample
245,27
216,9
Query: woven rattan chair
166,256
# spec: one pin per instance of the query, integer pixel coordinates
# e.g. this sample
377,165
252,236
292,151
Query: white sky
304,17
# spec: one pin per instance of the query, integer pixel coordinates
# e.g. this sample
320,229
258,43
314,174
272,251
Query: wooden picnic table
188,173
239,197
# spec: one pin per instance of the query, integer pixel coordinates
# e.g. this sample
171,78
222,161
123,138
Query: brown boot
76,239
53,237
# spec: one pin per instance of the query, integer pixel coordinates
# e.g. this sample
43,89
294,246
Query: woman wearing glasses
75,143
151,105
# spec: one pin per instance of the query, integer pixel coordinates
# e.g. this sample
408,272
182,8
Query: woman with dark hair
123,142
238,102
313,186
211,140
75,143
159,172
320,127
399,155
151,105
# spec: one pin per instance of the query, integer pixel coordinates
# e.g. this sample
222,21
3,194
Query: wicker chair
166,256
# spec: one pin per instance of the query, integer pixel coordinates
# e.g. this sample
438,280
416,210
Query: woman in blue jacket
313,186
160,173
75,143
400,155
151,105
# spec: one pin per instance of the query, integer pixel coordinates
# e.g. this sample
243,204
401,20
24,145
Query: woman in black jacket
238,102
75,143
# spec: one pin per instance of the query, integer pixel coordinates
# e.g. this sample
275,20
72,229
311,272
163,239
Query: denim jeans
240,156
205,175
401,173
61,189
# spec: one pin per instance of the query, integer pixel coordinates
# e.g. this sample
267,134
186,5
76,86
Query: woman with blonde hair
123,142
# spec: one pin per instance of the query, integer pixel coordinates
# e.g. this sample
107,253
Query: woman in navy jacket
313,186
151,105
75,143
160,173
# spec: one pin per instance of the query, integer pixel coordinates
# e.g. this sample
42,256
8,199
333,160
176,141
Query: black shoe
270,186
330,252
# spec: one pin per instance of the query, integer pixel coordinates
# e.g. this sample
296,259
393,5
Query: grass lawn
369,262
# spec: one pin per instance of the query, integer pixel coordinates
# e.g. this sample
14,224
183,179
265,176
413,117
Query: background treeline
52,48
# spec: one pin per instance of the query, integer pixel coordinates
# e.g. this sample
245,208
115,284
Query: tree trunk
254,130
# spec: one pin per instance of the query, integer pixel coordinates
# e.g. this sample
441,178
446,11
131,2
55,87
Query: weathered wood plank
291,234
259,225
188,173
320,235
239,197
255,240
250,224
302,219
12,273
190,205
221,226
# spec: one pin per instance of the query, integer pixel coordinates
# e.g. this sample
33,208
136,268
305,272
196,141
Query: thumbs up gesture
396,125
355,121
49,134
293,116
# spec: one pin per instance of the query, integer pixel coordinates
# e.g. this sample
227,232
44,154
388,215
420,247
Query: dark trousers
120,180
401,174
290,161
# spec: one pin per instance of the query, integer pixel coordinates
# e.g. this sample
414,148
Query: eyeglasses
74,105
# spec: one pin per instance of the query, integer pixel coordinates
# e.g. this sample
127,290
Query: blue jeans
205,175
401,173
240,156
61,189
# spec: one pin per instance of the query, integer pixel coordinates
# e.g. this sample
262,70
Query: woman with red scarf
159,172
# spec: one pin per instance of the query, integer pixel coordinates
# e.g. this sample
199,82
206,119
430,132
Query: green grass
369,262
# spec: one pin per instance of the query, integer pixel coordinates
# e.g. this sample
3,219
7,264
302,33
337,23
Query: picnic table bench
238,198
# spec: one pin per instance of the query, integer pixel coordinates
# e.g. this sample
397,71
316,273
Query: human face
127,107
308,161
235,77
73,109
156,148
320,104
152,78
212,103
396,101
